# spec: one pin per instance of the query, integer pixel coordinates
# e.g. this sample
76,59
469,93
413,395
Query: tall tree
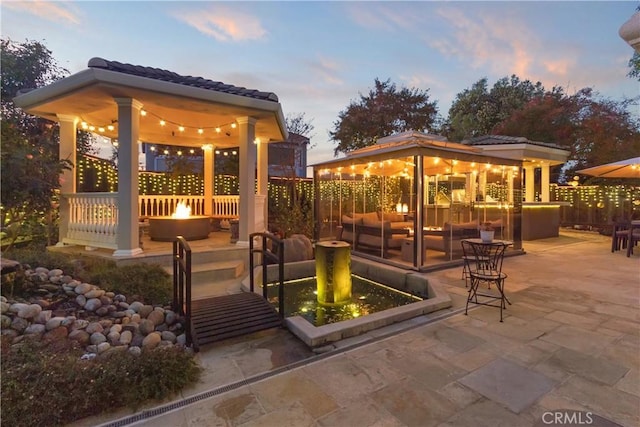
477,110
594,129
298,123
384,111
29,157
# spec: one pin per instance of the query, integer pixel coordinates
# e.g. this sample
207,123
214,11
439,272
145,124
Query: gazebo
382,198
134,104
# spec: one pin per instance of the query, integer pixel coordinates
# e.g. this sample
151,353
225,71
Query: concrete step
212,272
220,254
218,288
202,256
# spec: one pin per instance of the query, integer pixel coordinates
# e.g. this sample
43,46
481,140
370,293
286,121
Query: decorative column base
127,252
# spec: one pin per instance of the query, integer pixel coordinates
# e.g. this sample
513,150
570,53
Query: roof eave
98,76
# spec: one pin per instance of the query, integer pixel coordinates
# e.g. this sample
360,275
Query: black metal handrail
182,286
267,254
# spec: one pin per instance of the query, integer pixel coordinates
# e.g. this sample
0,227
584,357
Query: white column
469,184
67,151
247,172
208,176
510,186
529,183
544,183
263,166
128,132
263,180
482,184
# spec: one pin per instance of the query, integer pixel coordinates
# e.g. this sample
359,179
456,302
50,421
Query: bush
148,282
51,386
80,267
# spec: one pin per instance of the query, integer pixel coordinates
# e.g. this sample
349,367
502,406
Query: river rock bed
61,307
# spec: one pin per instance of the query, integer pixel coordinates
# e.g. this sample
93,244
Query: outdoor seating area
620,235
378,197
625,236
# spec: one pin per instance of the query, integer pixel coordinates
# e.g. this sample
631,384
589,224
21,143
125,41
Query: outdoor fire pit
181,223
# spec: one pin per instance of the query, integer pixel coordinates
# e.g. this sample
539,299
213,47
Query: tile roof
504,139
171,77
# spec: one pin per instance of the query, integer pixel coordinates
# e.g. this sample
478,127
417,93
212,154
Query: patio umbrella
629,168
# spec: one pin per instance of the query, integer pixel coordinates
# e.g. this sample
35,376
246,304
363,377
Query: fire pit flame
180,223
182,211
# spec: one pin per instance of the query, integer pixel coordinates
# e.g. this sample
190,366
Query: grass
50,385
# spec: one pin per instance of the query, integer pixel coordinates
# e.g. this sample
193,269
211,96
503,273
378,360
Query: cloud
326,69
58,11
384,17
505,45
559,66
484,40
224,24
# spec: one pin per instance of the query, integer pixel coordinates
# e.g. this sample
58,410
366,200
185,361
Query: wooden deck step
218,318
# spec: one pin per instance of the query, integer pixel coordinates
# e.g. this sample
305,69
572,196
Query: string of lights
162,121
95,174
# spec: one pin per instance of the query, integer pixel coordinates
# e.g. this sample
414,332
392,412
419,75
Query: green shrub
148,282
51,385
78,266
44,386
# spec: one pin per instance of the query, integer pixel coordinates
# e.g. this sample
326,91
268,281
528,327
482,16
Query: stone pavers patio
569,342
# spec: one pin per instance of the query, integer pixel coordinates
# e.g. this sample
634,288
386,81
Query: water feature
431,298
366,297
333,270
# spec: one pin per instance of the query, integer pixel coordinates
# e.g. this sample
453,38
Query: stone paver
413,404
578,339
485,413
570,341
590,367
507,383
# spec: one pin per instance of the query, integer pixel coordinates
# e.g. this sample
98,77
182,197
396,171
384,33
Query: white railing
93,217
163,205
225,206
93,220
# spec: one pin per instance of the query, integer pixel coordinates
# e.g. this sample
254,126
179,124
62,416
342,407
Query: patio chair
467,258
633,237
620,235
486,267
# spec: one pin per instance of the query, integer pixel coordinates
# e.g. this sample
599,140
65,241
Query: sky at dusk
319,56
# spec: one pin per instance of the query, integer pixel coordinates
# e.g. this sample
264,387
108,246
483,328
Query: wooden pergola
135,104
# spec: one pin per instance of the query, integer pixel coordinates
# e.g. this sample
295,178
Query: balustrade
93,218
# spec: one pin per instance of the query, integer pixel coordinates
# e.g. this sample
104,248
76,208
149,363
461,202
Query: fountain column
333,272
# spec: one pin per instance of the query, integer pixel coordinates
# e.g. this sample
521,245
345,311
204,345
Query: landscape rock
152,340
63,308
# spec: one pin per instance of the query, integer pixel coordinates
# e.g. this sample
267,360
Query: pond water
367,297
